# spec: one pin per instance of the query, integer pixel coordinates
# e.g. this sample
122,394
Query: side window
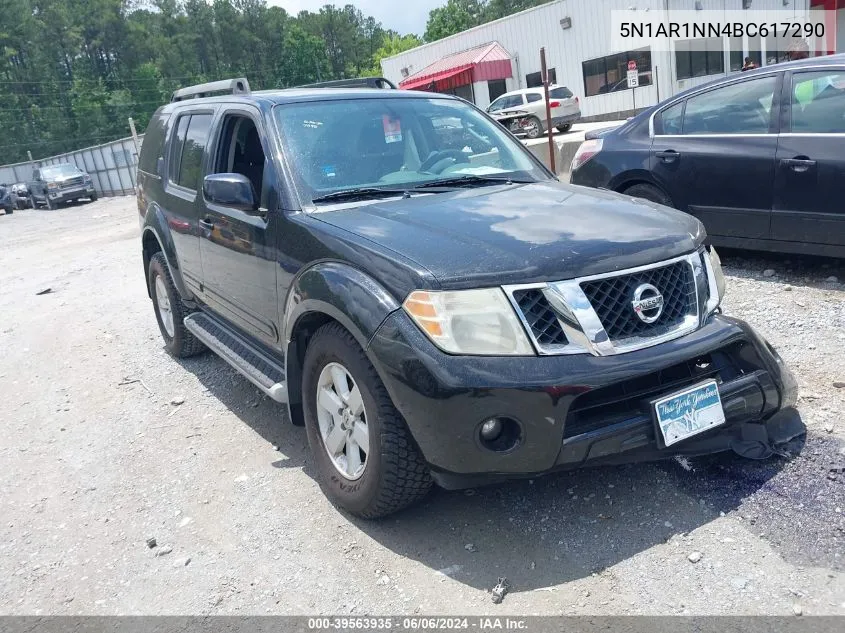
195,141
153,142
741,108
670,119
176,147
533,97
240,151
818,102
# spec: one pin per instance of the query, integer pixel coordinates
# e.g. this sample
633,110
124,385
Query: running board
256,366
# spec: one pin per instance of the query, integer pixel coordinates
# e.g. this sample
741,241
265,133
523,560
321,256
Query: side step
261,370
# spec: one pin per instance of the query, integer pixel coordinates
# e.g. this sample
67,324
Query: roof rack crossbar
239,86
360,82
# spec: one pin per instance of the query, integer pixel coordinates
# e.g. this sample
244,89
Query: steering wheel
441,155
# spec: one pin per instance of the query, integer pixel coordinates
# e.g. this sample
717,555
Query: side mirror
231,190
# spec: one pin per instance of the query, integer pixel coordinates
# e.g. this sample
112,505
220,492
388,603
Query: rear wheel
564,128
532,127
367,461
170,311
649,192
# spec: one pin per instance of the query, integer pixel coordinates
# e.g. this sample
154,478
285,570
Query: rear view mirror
230,190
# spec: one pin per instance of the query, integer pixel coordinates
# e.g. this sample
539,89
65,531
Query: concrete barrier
564,153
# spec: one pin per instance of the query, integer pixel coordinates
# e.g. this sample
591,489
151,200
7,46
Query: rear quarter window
152,147
560,93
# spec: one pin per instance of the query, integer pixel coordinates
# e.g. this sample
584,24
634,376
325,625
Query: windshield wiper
468,181
359,193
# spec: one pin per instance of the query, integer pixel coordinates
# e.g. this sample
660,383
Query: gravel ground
107,442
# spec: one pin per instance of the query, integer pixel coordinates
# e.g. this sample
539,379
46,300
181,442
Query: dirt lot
107,442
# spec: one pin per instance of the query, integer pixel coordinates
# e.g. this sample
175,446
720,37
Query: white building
576,35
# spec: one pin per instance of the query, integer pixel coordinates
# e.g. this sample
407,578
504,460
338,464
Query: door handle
668,156
206,224
799,164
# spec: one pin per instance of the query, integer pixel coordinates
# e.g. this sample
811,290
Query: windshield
60,170
391,143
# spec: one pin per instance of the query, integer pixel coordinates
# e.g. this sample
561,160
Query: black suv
57,184
430,302
758,156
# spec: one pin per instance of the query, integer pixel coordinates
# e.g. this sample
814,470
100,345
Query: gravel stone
694,557
164,551
769,272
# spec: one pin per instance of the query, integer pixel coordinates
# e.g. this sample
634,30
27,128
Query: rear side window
741,108
176,147
151,149
560,93
195,142
818,102
533,97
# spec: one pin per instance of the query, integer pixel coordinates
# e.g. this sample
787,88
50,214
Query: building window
697,58
535,80
496,88
737,59
610,74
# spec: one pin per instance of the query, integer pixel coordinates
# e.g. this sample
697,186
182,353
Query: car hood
521,233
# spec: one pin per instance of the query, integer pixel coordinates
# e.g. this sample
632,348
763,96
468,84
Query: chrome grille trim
580,322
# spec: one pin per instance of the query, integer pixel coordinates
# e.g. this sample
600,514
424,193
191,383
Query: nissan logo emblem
647,303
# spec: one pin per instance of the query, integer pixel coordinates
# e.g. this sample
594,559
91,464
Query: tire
179,341
649,192
564,128
535,129
93,197
394,473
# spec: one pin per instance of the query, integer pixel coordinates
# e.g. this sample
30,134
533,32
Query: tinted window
609,74
741,108
195,141
818,104
496,88
176,147
502,103
151,149
533,97
535,80
560,93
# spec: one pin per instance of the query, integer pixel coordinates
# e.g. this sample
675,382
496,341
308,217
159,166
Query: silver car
524,111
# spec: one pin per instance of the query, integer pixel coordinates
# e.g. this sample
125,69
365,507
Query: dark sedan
759,157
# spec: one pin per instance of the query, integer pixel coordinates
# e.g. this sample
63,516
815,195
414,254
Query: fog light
491,429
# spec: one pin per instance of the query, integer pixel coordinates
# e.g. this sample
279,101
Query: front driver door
237,248
811,160
714,154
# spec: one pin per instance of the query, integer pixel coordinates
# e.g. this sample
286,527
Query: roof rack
360,82
239,86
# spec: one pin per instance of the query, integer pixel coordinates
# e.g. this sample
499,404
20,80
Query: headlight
469,321
716,279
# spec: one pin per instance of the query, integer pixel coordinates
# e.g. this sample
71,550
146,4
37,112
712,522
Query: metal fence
112,166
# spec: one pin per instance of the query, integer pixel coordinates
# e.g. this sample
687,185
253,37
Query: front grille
73,182
611,298
629,400
540,317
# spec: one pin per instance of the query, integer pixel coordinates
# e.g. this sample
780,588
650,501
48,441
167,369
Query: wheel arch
638,179
328,292
156,238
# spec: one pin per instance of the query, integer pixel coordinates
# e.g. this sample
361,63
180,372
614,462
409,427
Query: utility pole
135,136
545,76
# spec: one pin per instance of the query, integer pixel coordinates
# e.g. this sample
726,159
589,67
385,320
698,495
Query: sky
405,16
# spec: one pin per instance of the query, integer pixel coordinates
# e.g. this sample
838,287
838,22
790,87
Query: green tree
453,17
393,44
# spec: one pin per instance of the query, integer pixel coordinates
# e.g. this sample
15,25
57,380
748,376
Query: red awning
482,63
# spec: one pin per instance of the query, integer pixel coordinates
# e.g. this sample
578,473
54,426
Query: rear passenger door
238,249
714,154
188,138
810,177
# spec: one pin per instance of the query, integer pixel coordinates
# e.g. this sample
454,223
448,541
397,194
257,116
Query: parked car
20,193
758,157
7,200
524,111
433,310
57,184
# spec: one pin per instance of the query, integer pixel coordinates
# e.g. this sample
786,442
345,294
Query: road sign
632,65
633,77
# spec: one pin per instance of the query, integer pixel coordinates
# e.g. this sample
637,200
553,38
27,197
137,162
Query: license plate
689,412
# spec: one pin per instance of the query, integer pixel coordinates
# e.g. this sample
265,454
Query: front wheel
93,197
367,461
564,128
532,127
